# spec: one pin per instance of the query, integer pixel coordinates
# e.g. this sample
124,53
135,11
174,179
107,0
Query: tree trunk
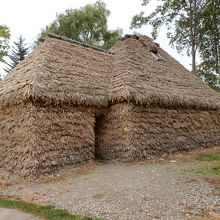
216,39
193,53
192,33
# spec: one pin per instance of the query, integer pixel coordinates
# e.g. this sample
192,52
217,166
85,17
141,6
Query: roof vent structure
155,54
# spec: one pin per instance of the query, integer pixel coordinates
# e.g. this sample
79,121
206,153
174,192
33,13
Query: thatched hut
68,102
48,105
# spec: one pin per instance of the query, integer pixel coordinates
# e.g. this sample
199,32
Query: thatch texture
16,87
113,139
133,132
150,104
139,77
59,72
37,139
16,135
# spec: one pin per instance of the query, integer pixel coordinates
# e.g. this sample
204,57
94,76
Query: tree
209,68
18,52
182,18
4,41
87,24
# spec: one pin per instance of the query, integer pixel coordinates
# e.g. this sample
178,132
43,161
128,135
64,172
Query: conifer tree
18,52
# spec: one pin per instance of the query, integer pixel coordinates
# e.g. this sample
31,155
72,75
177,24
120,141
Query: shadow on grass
46,212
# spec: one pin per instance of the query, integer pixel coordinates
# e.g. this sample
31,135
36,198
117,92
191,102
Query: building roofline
78,43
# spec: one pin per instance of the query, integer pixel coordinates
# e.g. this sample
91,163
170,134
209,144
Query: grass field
212,167
214,164
208,157
45,212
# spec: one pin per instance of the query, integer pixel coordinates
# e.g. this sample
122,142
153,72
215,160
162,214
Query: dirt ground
160,189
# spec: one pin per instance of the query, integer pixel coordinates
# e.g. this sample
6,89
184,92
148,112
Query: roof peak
145,40
59,37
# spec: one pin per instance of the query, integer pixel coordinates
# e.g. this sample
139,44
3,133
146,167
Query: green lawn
212,168
45,212
209,170
208,157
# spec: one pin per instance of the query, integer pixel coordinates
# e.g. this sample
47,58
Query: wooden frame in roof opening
157,56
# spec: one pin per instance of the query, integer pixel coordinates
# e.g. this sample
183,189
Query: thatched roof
144,73
136,70
60,71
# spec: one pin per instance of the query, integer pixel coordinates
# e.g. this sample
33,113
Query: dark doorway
99,122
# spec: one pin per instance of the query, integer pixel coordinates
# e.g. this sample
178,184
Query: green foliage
209,68
217,89
4,41
18,52
87,24
206,71
208,157
178,16
194,26
45,212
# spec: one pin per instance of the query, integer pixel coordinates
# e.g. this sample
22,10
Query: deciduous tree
182,18
87,24
209,68
4,41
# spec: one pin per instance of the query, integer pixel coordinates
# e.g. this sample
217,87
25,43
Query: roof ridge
59,37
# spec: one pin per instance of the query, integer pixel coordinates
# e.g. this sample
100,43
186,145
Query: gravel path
10,214
123,192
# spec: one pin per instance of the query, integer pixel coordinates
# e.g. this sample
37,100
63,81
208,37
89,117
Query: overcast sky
27,17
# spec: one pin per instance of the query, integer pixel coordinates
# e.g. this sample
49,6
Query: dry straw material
37,139
59,72
139,77
132,132
68,102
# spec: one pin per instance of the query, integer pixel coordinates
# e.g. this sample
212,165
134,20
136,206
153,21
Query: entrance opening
99,121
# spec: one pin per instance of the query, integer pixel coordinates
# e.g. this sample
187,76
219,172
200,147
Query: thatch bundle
68,102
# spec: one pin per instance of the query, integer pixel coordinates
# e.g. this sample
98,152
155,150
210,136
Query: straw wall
16,136
133,132
114,137
39,139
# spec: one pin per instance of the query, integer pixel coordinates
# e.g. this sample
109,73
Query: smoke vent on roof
154,52
157,56
154,49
